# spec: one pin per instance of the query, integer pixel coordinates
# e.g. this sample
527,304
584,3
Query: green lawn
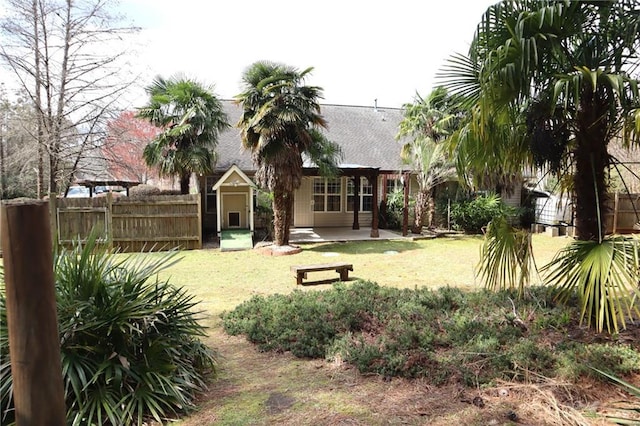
323,393
222,280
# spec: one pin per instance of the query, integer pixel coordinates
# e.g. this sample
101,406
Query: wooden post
199,218
356,202
374,220
34,343
616,207
109,220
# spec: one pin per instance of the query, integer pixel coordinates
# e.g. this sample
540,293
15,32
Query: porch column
374,211
218,211
356,202
251,207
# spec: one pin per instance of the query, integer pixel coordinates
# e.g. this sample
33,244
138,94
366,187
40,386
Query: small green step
235,239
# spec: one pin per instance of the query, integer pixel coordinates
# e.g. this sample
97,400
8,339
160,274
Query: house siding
341,219
513,199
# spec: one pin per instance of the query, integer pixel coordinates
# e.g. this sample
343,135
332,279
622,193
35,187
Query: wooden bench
300,271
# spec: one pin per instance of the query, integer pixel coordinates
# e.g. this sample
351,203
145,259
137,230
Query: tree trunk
280,218
420,210
289,219
2,165
184,183
38,98
591,160
431,213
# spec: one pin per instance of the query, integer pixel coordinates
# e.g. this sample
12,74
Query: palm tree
550,84
191,118
280,124
426,123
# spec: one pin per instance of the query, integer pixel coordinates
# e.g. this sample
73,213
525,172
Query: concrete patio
321,235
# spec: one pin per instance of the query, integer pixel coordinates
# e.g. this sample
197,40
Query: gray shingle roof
365,134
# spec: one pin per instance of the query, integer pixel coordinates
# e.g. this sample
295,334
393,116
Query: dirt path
257,388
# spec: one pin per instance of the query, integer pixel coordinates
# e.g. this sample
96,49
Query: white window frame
326,194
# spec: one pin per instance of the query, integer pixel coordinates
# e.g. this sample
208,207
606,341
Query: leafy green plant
506,257
130,344
391,212
472,216
603,274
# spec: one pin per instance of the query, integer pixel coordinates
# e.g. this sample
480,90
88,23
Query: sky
360,50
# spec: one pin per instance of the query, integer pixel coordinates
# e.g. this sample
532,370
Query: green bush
391,213
443,335
130,344
305,323
471,216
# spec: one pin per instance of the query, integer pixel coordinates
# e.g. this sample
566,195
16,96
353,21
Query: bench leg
300,277
344,274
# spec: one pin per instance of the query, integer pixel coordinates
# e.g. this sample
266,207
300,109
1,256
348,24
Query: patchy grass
223,280
317,392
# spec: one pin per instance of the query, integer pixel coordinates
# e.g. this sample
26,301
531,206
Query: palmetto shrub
130,343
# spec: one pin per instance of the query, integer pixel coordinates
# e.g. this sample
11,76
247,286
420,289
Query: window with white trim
365,194
327,194
393,184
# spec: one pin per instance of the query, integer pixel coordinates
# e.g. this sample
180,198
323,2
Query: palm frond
604,275
506,257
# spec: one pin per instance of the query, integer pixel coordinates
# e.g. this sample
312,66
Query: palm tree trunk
420,210
184,182
280,217
591,160
431,214
289,219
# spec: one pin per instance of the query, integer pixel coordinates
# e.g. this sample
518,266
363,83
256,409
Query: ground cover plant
279,388
131,345
443,336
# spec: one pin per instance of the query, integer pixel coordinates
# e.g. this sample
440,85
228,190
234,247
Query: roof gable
233,177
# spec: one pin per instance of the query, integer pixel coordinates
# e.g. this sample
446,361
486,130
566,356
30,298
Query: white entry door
303,204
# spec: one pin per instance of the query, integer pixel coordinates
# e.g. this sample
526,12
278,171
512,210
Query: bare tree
67,56
18,153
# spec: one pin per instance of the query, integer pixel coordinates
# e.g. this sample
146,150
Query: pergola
91,184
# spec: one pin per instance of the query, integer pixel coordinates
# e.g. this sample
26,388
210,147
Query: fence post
199,200
616,207
109,220
34,343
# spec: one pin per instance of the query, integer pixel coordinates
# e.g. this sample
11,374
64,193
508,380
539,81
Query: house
370,168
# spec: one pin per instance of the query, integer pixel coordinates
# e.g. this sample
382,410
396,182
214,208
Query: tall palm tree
280,125
426,123
191,118
551,83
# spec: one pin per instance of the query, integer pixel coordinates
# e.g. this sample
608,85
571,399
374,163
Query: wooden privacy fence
623,214
130,224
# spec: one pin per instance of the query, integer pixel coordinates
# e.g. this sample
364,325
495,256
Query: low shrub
443,335
391,212
305,323
471,216
130,344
